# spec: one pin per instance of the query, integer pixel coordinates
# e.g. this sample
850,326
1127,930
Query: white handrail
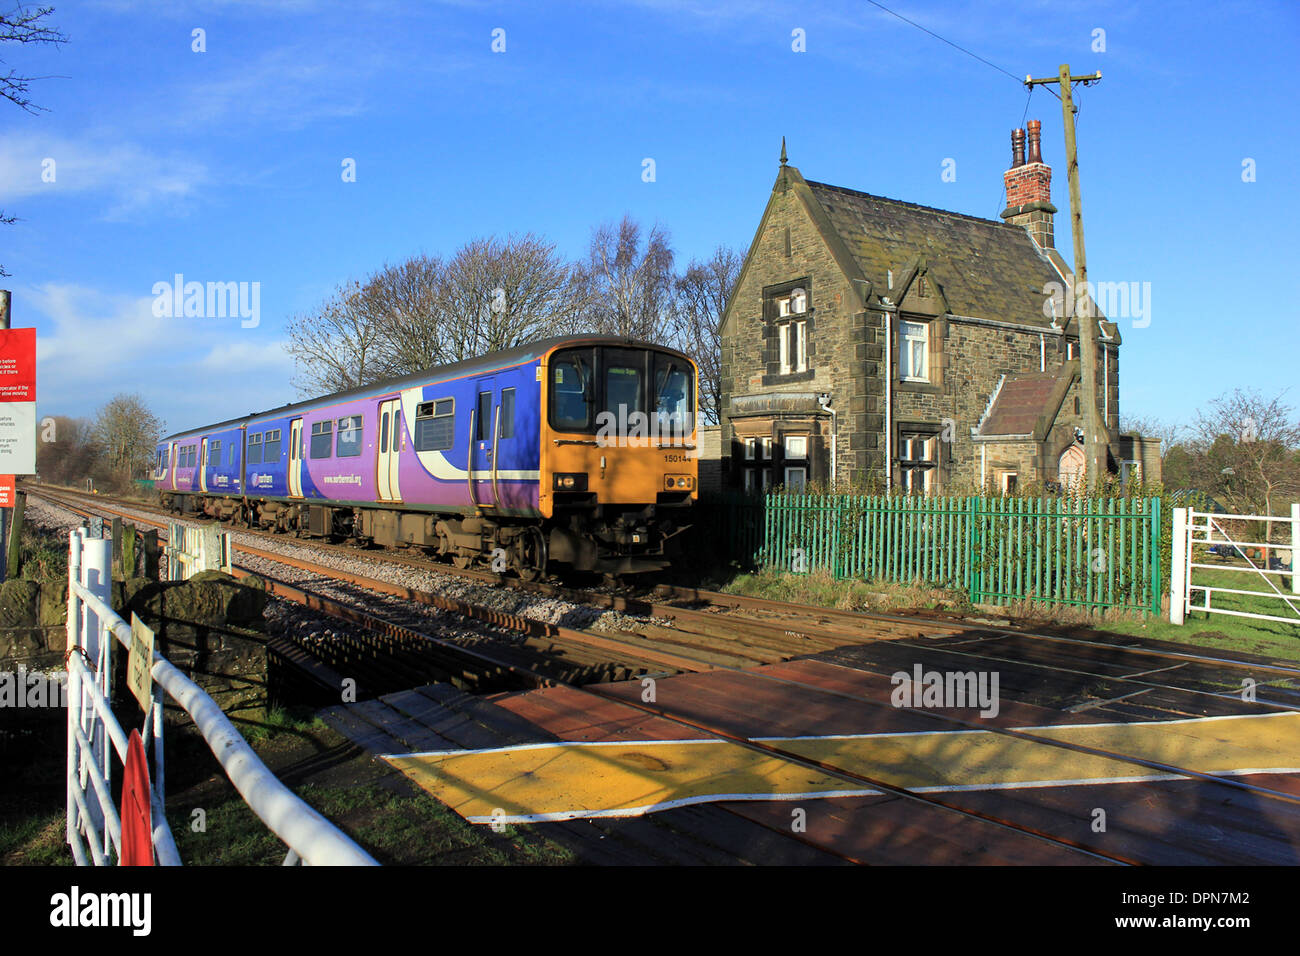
308,834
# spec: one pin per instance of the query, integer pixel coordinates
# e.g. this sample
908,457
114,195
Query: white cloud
127,175
92,345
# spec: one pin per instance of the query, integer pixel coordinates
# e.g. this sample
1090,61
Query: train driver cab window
322,439
255,449
673,395
435,425
349,437
623,390
571,392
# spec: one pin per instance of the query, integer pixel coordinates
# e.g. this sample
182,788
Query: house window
793,303
1008,482
757,479
765,449
918,461
796,446
793,340
750,444
913,347
796,478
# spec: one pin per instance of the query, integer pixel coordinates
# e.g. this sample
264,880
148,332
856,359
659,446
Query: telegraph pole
1094,447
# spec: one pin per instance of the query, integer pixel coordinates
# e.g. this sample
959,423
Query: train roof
512,356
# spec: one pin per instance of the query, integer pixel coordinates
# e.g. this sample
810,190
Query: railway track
710,628
411,658
827,630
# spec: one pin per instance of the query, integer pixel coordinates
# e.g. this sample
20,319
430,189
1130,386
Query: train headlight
679,482
570,482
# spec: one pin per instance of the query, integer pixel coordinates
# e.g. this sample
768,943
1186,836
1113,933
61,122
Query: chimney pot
1035,141
1017,148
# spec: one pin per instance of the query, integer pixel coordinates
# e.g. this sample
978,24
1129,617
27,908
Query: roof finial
783,159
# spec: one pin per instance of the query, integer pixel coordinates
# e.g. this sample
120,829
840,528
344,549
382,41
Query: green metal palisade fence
1088,552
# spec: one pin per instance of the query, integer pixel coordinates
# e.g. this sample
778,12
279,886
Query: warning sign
18,401
139,663
17,365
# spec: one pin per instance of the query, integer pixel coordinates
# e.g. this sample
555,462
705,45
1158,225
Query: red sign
17,365
136,814
6,491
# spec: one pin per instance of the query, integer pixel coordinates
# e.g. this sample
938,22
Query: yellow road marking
625,778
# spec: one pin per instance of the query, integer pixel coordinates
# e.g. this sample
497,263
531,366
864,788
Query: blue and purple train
569,453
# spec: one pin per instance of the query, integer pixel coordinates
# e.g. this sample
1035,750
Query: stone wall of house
847,354
845,349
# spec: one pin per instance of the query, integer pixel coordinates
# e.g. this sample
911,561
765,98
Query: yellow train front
618,464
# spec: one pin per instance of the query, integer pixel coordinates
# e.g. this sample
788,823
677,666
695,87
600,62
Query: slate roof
1026,403
986,268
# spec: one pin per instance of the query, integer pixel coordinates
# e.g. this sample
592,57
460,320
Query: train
575,453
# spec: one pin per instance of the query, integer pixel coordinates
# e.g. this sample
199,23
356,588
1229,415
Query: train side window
322,439
383,432
349,437
214,454
255,449
507,413
435,425
271,446
483,423
234,455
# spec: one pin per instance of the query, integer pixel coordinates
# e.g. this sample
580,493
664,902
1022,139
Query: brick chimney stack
1029,186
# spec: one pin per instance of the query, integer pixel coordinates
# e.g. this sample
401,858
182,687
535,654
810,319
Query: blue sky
226,165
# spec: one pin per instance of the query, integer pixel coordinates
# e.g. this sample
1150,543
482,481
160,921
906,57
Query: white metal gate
1207,542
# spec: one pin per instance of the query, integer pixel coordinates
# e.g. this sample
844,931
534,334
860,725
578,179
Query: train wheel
531,563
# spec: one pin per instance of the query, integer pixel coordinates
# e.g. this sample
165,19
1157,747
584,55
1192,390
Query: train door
483,444
172,456
390,445
295,458
203,464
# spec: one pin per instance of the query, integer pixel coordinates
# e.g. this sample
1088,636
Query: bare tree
66,450
128,434
500,294
702,294
1246,449
492,294
23,25
403,304
629,281
337,346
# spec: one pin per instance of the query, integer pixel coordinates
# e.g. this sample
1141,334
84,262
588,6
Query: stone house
871,342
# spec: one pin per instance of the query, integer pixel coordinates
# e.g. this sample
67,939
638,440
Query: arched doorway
1070,470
